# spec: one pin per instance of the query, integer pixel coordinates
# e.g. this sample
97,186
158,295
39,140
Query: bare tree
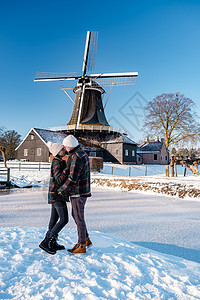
10,140
173,117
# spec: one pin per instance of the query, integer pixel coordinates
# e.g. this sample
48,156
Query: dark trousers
58,212
78,205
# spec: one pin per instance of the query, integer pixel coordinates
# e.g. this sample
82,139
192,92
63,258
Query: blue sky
158,39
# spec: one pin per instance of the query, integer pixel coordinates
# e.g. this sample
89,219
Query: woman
59,212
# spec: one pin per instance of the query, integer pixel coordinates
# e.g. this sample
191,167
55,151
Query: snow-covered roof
50,136
150,146
54,137
122,138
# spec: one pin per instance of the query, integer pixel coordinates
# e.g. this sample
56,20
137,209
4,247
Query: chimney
156,139
146,139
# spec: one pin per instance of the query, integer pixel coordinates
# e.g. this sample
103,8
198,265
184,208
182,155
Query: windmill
88,107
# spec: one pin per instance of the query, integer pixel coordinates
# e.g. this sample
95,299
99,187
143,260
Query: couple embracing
68,180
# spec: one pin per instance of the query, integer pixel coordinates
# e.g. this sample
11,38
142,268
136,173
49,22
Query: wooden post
19,166
167,170
129,172
145,174
172,165
112,171
8,175
175,169
39,166
3,151
185,171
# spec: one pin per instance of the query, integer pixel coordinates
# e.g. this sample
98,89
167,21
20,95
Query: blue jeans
58,212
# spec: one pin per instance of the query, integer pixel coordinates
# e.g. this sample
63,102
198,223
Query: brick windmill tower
88,121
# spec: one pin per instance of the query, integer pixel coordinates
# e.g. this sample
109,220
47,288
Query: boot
88,242
56,246
48,243
78,248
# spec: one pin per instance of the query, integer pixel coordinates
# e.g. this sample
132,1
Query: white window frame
117,151
25,152
133,152
39,151
126,152
32,136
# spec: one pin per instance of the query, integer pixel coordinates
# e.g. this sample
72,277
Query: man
78,187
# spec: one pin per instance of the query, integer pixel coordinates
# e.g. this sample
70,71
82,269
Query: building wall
113,152
162,157
31,145
148,158
129,154
120,153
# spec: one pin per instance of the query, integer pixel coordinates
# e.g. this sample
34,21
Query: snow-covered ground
116,267
111,269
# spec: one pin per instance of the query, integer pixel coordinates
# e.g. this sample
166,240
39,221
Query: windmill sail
45,76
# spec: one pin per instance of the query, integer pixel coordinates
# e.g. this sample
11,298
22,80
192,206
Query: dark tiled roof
122,138
150,146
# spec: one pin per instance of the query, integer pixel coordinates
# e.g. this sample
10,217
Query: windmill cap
70,141
55,148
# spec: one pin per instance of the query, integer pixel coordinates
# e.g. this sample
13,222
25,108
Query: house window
166,157
126,152
39,151
32,136
25,152
133,152
117,151
161,158
155,157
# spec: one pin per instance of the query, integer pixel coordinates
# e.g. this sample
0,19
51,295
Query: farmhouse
153,152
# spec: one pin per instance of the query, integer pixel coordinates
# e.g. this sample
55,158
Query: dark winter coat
58,175
78,181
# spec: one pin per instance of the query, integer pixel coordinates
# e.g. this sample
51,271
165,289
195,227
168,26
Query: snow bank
180,187
111,269
185,187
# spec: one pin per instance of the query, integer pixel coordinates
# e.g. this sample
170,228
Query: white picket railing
27,165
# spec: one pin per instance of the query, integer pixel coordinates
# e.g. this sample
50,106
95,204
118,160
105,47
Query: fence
140,170
27,165
5,172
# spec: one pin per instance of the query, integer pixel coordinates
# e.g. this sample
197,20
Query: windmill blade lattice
92,51
115,81
46,76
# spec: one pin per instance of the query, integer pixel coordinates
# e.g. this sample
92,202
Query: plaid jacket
58,175
78,181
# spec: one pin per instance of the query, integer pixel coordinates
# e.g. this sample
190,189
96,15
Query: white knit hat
70,141
55,148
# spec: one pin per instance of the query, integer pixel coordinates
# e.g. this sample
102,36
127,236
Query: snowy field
144,247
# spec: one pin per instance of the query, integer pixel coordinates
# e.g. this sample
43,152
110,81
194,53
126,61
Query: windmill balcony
100,128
